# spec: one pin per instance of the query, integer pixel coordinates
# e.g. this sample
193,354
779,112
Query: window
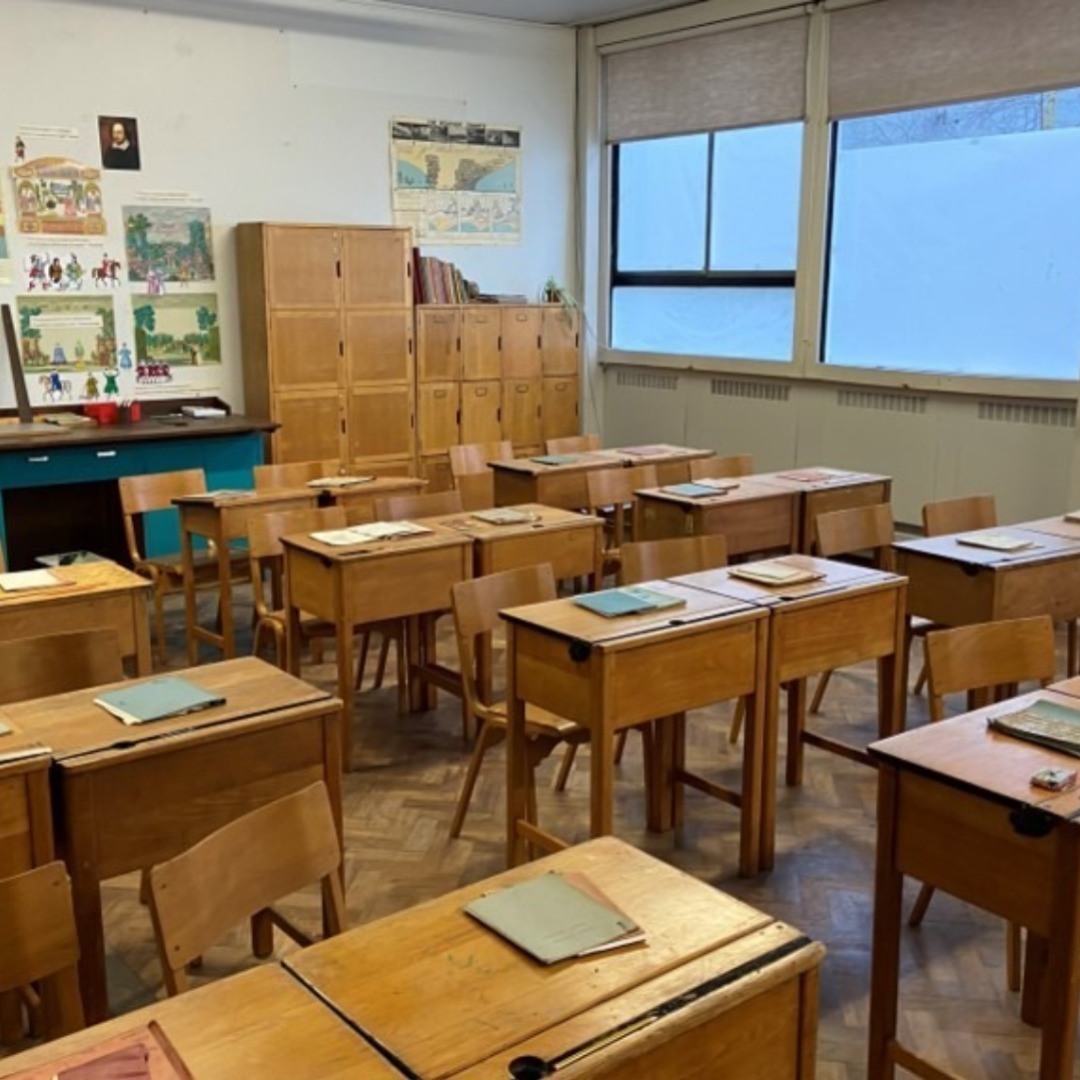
704,240
955,239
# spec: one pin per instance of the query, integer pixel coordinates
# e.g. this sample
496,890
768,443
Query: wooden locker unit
481,411
438,343
481,342
560,340
327,324
521,342
521,415
439,415
559,407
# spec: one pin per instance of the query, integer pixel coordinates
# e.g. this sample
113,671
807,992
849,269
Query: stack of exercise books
370,533
1044,722
998,541
774,573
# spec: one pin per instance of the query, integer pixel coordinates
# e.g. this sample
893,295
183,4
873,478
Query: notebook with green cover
555,459
552,919
157,699
630,600
1044,722
692,491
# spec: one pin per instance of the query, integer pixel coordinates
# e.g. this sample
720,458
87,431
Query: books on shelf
629,600
1044,722
774,572
695,490
996,541
339,481
157,699
436,281
28,580
369,533
556,917
504,515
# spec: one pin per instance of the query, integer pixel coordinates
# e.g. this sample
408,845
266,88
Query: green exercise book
1043,722
631,600
693,491
554,918
555,459
157,699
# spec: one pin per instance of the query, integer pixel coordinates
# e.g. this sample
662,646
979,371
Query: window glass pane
755,191
661,213
749,323
955,240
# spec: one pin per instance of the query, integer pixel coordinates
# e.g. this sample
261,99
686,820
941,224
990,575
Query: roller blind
726,79
899,54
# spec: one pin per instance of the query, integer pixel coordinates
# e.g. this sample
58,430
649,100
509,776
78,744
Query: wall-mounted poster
56,196
178,329
66,333
5,255
168,244
456,183
119,138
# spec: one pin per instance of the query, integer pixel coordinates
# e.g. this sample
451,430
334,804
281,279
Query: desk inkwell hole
528,1067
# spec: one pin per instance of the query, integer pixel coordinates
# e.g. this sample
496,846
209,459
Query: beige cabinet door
380,422
559,341
438,343
521,342
521,411
438,406
377,267
559,412
481,411
379,346
481,339
305,349
311,427
302,267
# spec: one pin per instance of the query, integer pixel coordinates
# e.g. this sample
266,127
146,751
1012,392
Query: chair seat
539,723
206,567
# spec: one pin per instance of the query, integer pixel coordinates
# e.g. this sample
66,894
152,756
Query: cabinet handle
498,414
457,347
337,268
499,346
106,453
38,459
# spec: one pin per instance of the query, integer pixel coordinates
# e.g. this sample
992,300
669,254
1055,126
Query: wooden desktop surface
94,595
956,809
130,797
257,1025
450,998
222,520
610,674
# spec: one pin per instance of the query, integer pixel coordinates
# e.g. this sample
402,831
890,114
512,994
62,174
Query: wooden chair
39,944
140,495
33,667
293,473
402,507
471,474
476,605
610,493
237,872
650,560
713,468
572,444
987,661
959,515
267,556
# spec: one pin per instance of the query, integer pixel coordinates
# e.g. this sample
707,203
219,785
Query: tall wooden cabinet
491,372
326,315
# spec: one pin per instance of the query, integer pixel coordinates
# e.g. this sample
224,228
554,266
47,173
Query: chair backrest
715,467
38,941
864,528
467,459
293,473
241,869
154,491
988,659
476,604
650,560
572,444
477,490
264,541
433,504
959,515
33,667
615,488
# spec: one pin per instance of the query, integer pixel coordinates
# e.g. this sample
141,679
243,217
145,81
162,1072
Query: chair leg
819,692
1071,650
159,622
620,745
361,663
926,894
737,721
485,739
920,682
402,670
1012,956
564,769
380,667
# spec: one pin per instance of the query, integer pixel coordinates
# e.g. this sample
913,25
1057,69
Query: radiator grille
1022,412
882,401
647,380
751,389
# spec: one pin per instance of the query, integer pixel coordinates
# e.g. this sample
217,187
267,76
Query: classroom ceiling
555,12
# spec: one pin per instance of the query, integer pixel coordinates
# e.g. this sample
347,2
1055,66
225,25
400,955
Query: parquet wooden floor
398,803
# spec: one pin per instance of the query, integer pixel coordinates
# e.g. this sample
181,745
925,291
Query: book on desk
157,699
629,600
1043,722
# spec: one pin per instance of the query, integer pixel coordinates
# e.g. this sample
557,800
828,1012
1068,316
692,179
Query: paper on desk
21,580
366,534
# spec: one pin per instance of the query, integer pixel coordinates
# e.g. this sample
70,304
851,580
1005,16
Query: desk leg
429,694
140,617
885,957
602,751
414,658
86,899
294,645
770,750
1063,966
343,643
796,718
224,567
517,758
187,556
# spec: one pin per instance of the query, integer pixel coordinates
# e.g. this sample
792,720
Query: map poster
456,183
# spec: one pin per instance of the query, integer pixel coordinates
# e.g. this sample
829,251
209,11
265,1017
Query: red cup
105,412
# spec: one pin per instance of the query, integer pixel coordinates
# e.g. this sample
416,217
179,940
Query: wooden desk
752,517
947,796
222,520
670,461
258,1025
130,797
852,613
359,500
449,998
369,582
610,674
523,480
836,490
99,594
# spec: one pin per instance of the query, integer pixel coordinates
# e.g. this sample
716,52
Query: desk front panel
26,837
571,551
748,525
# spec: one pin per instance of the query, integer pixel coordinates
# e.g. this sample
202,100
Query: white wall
288,124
